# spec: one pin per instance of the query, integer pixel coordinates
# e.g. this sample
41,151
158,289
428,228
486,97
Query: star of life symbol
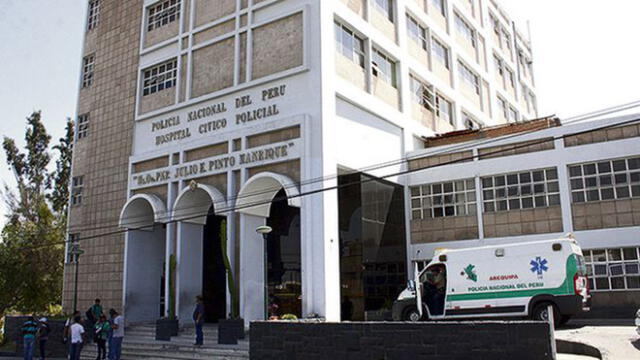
539,266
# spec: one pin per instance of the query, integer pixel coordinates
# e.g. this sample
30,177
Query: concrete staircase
139,343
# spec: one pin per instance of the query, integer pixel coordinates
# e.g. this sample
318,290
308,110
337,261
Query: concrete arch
261,189
141,211
196,199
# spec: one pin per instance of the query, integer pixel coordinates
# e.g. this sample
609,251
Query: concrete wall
278,46
373,340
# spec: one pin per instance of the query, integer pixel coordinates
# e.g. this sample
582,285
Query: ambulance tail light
580,285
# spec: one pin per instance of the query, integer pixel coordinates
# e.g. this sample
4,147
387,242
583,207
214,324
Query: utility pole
75,253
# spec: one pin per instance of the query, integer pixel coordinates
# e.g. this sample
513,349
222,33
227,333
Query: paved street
617,341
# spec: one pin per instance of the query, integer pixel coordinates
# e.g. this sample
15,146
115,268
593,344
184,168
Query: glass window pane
605,180
617,282
621,179
448,187
577,184
514,204
489,206
633,282
501,193
471,184
512,179
591,181
622,192
415,191
501,205
540,201
538,176
554,199
487,182
437,188
600,270
635,190
459,185
538,188
471,196
552,174
604,167
500,180
449,211
631,269
527,203
487,194
619,165
513,191
630,253
634,163
415,203
589,169
599,256
438,212
575,170
416,214
602,283
616,269
614,254
590,283
525,178
607,194
593,195
553,187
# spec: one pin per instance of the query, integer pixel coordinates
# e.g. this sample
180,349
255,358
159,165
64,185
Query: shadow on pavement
636,343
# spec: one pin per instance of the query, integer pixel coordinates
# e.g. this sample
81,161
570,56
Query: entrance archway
270,199
200,268
143,216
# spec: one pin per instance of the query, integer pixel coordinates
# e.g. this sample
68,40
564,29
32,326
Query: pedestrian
66,331
93,314
29,331
118,335
77,330
101,334
43,336
198,318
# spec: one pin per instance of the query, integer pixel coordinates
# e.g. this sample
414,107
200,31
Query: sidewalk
616,339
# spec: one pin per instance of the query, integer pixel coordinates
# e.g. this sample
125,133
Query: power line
335,187
383,165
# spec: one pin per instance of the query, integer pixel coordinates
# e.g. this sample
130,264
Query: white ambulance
509,280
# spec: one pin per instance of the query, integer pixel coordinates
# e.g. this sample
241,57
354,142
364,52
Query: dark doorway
214,283
283,257
372,246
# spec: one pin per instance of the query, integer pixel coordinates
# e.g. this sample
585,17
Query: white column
188,269
252,267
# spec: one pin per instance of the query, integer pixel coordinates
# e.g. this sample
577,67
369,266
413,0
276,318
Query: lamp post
75,253
265,231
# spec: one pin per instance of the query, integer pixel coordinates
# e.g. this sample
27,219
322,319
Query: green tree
32,240
59,196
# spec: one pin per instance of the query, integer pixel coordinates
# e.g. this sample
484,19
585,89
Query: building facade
532,182
200,121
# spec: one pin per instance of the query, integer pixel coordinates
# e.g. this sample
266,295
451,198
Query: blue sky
586,57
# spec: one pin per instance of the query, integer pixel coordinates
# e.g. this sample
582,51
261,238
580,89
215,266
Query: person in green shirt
96,310
101,334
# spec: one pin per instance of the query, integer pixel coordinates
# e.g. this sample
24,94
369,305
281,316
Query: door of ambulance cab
433,287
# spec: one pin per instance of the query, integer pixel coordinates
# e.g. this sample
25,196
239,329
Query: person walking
43,336
101,334
93,314
198,318
77,330
118,335
29,331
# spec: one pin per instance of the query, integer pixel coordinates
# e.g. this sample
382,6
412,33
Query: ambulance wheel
411,314
540,313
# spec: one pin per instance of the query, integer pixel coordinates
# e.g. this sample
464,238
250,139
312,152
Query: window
440,52
77,184
534,103
469,122
422,93
87,70
502,105
523,190
605,180
465,30
383,67
164,13
72,241
497,62
159,77
469,77
349,44
455,198
510,79
83,126
385,7
512,114
93,14
613,269
417,32
506,41
444,109
440,6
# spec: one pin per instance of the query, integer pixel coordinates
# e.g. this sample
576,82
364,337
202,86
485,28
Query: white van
509,280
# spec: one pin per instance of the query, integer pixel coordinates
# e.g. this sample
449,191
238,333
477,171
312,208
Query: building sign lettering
215,117
266,154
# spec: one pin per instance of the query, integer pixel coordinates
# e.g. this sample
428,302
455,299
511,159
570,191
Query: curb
577,348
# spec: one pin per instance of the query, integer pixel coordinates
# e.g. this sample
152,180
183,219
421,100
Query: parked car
508,280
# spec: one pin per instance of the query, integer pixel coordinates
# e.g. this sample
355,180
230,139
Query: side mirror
411,285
